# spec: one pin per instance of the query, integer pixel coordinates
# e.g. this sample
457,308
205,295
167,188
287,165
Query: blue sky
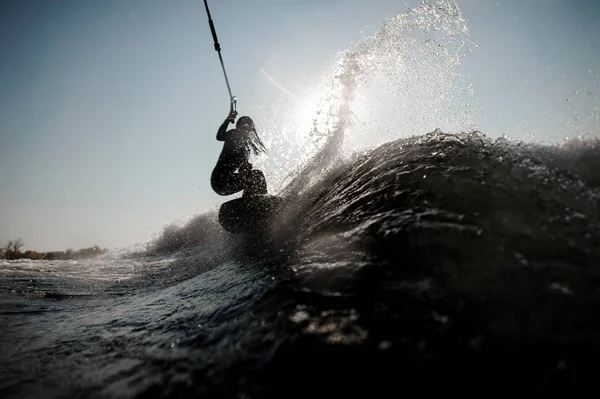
108,109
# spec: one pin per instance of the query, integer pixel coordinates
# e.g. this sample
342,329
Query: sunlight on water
401,81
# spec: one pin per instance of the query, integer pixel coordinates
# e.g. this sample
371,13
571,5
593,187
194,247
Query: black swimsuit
235,154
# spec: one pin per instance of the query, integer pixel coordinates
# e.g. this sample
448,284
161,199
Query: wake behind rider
233,172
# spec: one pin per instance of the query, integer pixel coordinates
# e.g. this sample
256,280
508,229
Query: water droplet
385,345
521,258
439,318
560,288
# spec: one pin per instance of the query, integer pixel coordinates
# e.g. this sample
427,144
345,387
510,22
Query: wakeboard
249,214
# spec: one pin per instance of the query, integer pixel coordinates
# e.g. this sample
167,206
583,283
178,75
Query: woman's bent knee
225,184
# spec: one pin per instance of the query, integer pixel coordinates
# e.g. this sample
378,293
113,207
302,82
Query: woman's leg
256,183
226,183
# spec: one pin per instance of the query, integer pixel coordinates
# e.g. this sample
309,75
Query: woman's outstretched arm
223,129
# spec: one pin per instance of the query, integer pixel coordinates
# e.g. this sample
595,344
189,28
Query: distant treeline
12,250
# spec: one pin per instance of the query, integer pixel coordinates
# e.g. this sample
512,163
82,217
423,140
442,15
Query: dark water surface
446,263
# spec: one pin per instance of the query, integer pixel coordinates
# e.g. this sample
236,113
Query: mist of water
401,81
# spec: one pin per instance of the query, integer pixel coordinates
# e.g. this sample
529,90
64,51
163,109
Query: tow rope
232,98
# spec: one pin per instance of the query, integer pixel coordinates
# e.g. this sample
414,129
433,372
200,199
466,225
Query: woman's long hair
252,141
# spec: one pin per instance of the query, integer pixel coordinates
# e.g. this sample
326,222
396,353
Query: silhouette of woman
233,173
